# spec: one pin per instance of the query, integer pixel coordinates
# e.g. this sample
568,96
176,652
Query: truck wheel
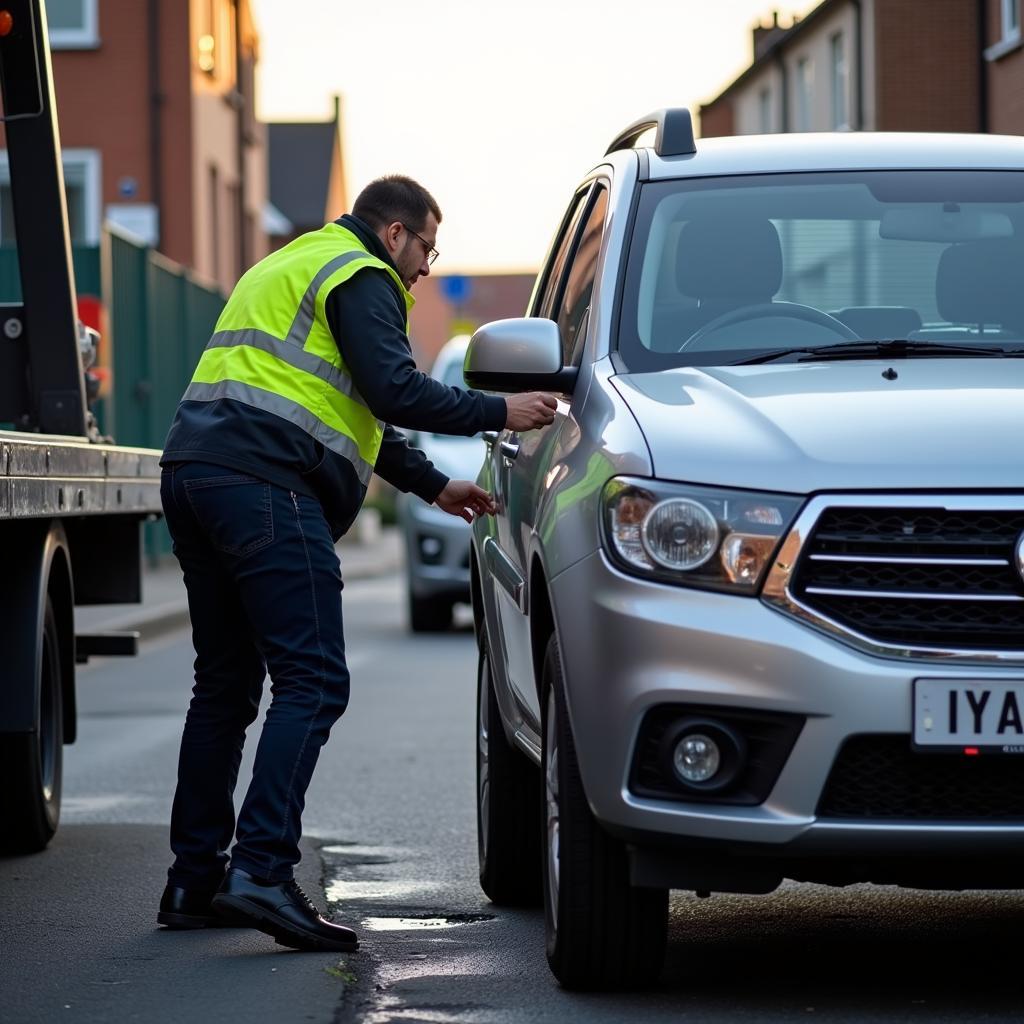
601,931
508,792
30,810
429,614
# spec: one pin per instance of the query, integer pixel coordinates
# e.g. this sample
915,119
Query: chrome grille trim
917,560
911,595
777,594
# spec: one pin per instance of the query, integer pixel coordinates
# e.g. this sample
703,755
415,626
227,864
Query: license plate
969,716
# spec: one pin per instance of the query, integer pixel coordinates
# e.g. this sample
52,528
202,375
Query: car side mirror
521,354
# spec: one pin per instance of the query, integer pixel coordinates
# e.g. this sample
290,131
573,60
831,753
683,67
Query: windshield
722,270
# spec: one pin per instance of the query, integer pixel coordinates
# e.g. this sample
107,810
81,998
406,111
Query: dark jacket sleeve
367,318
408,468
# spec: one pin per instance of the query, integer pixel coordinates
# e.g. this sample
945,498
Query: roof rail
674,136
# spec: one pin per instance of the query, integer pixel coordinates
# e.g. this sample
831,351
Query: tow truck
71,502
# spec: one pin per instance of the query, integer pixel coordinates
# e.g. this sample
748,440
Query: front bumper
629,645
428,530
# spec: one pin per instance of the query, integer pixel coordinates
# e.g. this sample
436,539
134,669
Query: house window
1011,19
214,187
804,87
764,111
1010,40
82,188
74,24
840,113
216,43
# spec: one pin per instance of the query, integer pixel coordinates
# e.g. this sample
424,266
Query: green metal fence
158,320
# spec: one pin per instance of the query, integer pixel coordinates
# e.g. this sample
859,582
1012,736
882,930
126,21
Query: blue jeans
264,595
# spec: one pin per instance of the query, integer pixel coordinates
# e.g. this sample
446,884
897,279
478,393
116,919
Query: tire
32,763
509,842
429,614
602,933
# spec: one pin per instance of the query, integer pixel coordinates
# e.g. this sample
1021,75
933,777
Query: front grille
882,777
917,577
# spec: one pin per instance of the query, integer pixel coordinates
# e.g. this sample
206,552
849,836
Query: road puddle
357,850
410,924
373,889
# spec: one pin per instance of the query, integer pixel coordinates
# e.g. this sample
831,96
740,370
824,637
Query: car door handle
509,449
489,436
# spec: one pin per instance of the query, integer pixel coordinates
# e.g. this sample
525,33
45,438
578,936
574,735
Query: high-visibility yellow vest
272,347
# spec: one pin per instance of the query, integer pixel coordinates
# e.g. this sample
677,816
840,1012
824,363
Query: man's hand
530,410
463,498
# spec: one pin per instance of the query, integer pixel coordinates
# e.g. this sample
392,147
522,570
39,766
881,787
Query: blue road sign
456,288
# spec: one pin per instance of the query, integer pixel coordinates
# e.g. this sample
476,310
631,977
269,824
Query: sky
498,109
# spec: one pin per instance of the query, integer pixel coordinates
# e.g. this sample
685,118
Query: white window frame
840,80
1010,23
85,38
1011,19
804,94
766,122
91,163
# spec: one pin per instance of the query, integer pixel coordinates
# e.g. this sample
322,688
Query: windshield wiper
899,348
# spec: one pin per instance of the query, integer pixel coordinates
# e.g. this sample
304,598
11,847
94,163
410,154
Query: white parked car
437,544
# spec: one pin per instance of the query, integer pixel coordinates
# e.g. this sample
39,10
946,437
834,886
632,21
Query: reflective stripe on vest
335,440
285,376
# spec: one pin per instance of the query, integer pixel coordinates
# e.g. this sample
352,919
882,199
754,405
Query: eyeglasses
432,253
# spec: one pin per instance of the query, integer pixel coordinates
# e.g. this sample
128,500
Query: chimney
766,36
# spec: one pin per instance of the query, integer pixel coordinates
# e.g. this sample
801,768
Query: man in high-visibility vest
292,407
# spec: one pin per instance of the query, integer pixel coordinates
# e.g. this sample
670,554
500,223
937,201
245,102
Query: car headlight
695,536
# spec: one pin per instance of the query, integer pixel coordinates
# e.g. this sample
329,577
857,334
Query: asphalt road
391,845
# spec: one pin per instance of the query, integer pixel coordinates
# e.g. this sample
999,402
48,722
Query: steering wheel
793,310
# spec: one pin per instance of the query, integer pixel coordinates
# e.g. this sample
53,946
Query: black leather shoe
280,909
187,908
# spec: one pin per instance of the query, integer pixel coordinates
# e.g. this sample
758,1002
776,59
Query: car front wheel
601,931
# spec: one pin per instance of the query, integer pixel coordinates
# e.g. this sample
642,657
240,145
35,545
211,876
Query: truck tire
429,614
508,793
30,810
601,932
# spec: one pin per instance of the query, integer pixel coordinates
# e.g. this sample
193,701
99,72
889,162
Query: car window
579,285
544,300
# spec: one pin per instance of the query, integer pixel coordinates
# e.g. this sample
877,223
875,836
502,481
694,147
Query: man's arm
367,320
409,469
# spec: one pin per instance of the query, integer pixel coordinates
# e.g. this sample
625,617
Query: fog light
430,549
696,757
703,755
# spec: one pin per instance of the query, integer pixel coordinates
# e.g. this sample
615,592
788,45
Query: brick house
871,65
156,108
435,317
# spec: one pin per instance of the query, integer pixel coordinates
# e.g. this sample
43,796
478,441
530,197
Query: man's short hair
395,198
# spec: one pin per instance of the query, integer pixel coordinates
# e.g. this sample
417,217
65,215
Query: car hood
804,427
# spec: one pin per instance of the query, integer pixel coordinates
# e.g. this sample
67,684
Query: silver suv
752,607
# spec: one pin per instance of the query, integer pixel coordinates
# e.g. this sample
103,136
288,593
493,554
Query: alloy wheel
551,805
483,793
